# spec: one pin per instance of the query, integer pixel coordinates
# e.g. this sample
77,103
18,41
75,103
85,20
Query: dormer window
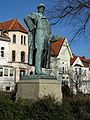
14,38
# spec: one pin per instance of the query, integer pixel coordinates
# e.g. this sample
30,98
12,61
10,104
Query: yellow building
18,47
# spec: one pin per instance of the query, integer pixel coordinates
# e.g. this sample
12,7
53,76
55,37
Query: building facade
60,59
80,73
18,46
7,72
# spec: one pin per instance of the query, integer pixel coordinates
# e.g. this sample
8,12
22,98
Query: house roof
56,46
72,60
84,60
13,25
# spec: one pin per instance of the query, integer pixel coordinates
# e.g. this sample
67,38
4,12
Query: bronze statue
39,35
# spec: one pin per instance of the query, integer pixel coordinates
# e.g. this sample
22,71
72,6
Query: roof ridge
63,39
17,24
22,25
12,24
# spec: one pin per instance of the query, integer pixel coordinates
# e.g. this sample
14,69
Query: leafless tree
73,12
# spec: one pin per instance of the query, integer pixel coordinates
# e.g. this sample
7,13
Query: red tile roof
72,60
13,25
56,46
84,60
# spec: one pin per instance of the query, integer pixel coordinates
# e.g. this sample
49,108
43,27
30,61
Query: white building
4,41
81,72
60,59
7,72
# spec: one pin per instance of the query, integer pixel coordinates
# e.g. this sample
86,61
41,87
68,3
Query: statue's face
41,9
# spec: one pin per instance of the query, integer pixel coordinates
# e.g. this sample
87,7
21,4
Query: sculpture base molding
33,89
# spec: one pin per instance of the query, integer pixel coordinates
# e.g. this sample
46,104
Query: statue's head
41,8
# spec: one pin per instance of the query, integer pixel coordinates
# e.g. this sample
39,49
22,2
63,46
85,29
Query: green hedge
46,108
80,107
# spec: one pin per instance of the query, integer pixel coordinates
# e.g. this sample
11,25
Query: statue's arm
30,21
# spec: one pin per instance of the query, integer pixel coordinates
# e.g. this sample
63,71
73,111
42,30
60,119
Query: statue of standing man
39,35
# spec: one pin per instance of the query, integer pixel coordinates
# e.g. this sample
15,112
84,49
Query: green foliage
12,111
46,108
81,107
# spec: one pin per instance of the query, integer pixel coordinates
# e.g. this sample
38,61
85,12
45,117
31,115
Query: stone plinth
33,89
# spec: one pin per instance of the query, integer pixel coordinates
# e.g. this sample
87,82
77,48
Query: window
62,69
13,55
84,74
1,72
21,39
80,71
7,88
11,72
63,77
5,72
2,51
31,73
22,56
24,40
14,38
75,71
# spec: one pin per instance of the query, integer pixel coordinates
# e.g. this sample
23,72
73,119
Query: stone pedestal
33,89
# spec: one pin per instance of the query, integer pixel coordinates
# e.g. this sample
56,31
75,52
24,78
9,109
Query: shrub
80,106
46,108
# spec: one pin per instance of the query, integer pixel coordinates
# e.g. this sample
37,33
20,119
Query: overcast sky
10,9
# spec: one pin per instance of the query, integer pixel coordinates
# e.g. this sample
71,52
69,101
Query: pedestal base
33,89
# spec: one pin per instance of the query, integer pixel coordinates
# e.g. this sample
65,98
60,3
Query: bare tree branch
74,12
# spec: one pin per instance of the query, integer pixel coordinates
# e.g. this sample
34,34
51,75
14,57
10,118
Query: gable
77,62
65,50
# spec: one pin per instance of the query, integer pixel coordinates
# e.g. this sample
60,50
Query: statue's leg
39,42
30,53
38,69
